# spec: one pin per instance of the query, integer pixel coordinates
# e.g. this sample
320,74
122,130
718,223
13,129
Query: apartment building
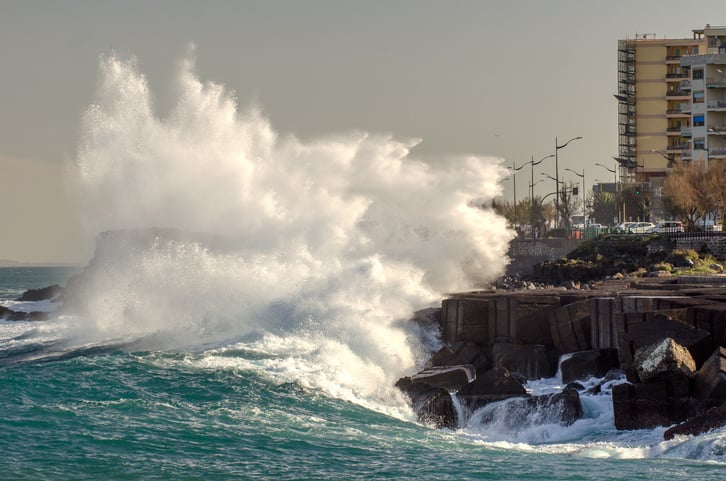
671,107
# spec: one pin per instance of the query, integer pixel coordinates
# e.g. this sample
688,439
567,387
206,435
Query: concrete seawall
525,253
600,328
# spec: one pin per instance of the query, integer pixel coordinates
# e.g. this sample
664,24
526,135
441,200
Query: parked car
623,227
709,225
668,226
641,227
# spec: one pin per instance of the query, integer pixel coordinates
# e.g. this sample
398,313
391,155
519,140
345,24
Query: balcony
716,105
676,76
678,93
685,85
681,112
677,148
717,130
716,83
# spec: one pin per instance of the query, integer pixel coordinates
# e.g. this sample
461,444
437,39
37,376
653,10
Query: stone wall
525,253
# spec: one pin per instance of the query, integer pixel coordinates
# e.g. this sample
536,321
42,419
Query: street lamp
557,177
532,164
582,176
670,158
614,171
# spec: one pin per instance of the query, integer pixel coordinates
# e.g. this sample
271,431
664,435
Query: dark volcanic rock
451,378
532,361
10,315
461,354
711,378
432,405
494,385
658,328
516,413
46,293
584,364
652,404
712,419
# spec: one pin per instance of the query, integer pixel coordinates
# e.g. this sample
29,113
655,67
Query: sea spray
324,244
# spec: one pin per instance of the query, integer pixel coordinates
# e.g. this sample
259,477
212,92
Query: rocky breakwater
51,293
663,341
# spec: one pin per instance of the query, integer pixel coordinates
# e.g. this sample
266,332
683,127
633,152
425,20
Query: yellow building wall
650,72
653,125
647,52
650,107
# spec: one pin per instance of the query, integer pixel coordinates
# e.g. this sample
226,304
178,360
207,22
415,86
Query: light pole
515,169
670,158
614,172
533,163
582,176
557,178
615,179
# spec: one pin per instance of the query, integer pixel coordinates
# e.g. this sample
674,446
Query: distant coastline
5,263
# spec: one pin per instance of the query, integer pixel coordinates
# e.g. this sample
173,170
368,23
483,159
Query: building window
698,121
699,144
697,73
697,97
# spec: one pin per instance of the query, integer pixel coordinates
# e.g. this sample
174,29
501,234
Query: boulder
432,405
649,405
714,418
516,413
664,357
451,378
532,361
494,385
657,327
592,363
711,378
610,376
462,353
46,293
7,314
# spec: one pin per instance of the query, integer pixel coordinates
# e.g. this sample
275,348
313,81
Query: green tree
604,207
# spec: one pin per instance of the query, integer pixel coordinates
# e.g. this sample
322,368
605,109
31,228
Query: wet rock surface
666,336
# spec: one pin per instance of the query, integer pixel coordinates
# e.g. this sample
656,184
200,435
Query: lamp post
670,158
532,164
515,169
557,178
615,178
582,176
614,171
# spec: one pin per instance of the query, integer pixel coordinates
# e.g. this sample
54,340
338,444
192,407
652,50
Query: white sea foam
325,244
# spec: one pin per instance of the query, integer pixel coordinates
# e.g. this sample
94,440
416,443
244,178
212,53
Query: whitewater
247,311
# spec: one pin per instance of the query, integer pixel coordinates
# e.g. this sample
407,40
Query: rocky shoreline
655,343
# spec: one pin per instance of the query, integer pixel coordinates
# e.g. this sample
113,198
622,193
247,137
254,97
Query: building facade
671,109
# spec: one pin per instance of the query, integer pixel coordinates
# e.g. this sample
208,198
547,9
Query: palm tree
604,207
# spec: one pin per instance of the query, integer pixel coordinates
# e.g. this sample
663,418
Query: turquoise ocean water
235,409
244,314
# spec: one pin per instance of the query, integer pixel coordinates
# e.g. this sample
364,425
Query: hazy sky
500,78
